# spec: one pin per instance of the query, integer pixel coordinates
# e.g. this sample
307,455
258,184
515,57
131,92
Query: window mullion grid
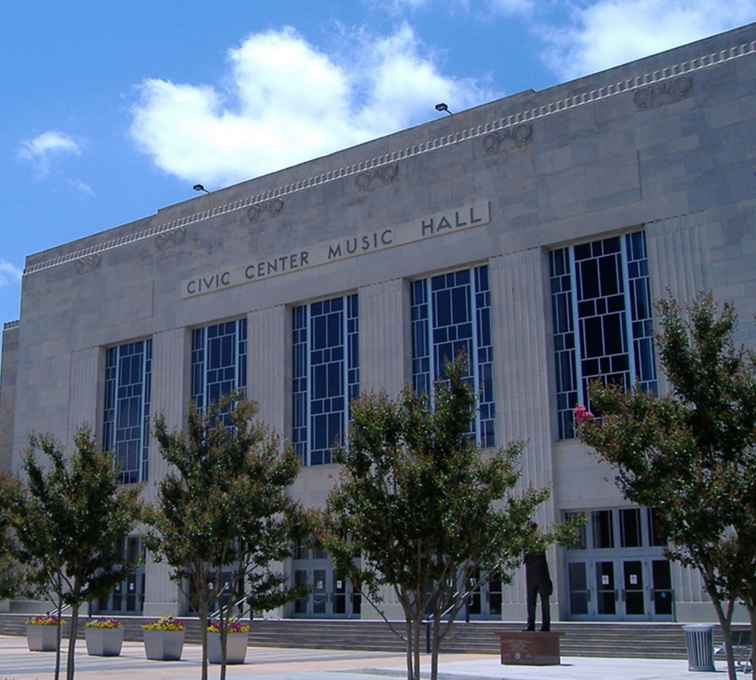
474,357
141,419
581,396
205,364
308,387
345,366
115,415
431,346
629,344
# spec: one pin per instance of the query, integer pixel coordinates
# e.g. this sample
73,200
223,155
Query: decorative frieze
88,263
663,93
516,137
662,83
270,208
381,176
170,239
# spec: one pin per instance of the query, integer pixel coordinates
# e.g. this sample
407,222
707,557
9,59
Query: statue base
528,648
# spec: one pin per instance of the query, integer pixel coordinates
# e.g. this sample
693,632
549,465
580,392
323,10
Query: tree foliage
691,454
223,507
70,519
12,578
421,510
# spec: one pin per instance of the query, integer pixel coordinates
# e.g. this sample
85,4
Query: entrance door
661,590
580,593
634,593
606,589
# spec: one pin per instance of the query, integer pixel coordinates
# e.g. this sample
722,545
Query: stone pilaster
520,313
269,365
384,337
170,397
85,390
677,251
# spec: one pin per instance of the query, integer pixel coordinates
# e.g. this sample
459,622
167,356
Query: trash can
700,641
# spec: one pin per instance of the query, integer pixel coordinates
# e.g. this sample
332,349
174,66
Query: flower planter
161,645
42,638
104,641
236,647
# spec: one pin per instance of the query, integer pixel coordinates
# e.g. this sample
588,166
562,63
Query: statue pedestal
527,648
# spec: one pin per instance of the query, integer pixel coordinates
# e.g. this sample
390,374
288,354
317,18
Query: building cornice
10,325
465,134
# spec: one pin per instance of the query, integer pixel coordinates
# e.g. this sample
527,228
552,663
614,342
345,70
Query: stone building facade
533,232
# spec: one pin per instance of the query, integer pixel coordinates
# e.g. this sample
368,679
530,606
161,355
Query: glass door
580,593
634,593
662,594
319,592
606,590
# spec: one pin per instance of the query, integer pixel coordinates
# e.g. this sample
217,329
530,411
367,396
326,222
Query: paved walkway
268,663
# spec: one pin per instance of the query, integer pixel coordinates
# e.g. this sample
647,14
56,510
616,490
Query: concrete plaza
268,663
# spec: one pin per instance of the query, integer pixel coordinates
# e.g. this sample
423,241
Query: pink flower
582,414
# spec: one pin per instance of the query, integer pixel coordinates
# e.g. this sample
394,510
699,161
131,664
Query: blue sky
112,110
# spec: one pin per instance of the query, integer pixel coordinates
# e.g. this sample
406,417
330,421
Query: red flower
582,414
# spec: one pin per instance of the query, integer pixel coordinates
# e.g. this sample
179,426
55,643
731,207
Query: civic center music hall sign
472,215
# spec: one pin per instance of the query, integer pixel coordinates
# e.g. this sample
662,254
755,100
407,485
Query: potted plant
164,639
236,641
42,633
104,637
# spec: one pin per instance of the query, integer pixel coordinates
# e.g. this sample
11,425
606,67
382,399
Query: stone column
520,314
85,392
384,337
170,397
269,366
677,252
269,380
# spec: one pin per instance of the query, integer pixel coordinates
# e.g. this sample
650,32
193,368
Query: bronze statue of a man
538,582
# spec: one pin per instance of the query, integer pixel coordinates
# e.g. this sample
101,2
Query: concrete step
616,640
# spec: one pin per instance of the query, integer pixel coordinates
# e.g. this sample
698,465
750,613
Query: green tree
421,510
12,581
224,507
70,519
691,454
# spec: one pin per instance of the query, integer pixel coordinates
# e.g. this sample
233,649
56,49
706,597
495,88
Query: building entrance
330,593
127,597
619,571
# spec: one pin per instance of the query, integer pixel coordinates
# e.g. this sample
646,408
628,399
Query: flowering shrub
166,624
582,414
106,624
42,621
232,626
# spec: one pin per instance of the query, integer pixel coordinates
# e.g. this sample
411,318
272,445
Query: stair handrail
217,612
57,611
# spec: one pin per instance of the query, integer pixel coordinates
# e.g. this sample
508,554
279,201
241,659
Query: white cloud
10,274
41,149
611,32
81,186
513,6
288,102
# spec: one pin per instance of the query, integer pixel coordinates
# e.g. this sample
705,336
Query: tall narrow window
451,313
601,313
126,427
326,375
219,361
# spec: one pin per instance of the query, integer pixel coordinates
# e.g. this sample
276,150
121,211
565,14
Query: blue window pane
450,315
126,412
325,376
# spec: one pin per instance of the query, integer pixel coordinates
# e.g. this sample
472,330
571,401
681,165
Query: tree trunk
60,636
725,623
202,605
223,615
436,644
416,642
410,671
752,616
72,640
